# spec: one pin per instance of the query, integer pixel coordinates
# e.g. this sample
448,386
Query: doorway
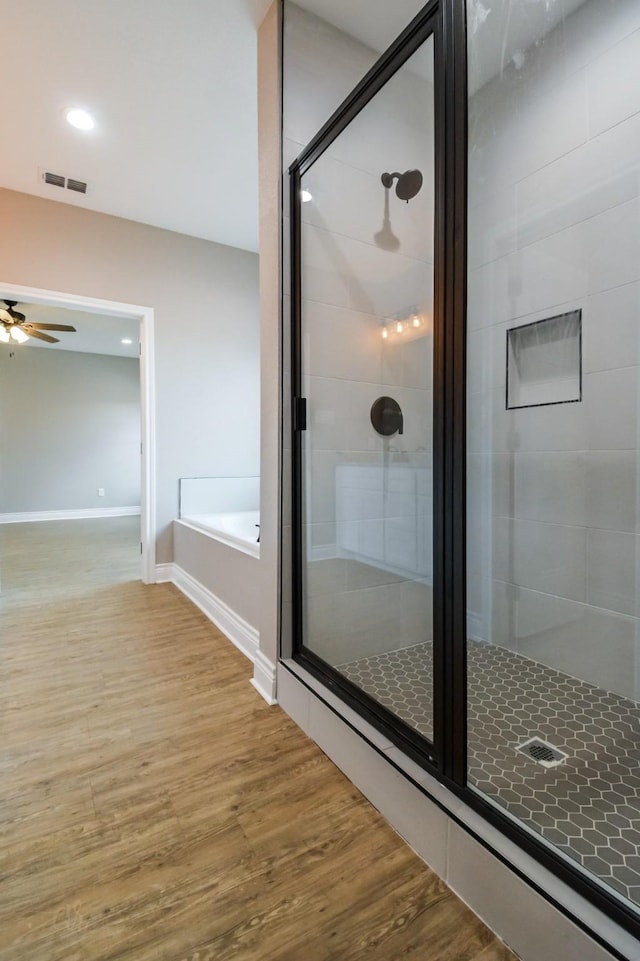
145,320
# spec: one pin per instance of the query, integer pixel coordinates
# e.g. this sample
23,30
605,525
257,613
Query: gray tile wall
554,493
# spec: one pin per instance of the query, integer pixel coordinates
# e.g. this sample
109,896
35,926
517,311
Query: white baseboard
22,517
264,677
164,573
245,637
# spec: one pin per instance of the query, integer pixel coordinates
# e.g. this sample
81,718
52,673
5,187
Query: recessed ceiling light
126,340
79,118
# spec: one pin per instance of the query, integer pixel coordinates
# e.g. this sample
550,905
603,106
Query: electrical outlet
101,492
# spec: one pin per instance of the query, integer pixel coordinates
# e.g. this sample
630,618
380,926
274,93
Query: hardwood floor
155,808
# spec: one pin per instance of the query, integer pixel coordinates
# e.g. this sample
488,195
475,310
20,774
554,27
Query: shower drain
542,752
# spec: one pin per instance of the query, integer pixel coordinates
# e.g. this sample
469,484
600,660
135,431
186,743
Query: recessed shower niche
544,361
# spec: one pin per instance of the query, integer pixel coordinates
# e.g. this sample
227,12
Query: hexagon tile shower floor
589,805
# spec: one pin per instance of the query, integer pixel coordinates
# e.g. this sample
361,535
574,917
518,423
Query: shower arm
387,179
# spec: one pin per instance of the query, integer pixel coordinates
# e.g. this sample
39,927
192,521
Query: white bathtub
239,529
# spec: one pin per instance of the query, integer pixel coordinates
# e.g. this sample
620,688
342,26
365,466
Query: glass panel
367,323
553,459
328,47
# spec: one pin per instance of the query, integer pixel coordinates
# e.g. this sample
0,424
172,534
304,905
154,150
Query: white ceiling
172,86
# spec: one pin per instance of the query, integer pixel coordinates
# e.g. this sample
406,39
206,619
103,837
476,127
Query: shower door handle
299,413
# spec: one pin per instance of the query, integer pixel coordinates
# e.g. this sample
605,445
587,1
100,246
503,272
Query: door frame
145,318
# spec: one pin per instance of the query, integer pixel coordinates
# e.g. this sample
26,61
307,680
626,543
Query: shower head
409,183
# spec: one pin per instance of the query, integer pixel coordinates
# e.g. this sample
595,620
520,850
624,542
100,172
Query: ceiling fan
14,327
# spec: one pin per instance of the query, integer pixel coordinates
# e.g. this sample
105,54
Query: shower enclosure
465,356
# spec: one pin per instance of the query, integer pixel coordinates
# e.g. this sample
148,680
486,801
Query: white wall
205,298
71,424
554,545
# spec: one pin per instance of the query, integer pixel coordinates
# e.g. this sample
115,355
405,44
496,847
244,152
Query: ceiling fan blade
38,335
52,327
18,316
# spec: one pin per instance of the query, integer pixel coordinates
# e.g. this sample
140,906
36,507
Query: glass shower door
365,356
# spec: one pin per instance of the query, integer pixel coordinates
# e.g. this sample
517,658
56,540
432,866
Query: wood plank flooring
154,808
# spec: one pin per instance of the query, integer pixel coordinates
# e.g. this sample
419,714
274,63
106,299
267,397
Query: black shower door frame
446,756
427,24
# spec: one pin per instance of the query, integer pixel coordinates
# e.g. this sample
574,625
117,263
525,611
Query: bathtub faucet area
225,508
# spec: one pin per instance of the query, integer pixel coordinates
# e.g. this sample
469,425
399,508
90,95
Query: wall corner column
269,125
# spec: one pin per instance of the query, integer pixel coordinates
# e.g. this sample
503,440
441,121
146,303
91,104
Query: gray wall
269,127
70,424
224,571
554,192
205,298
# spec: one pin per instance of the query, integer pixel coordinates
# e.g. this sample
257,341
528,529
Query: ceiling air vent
56,180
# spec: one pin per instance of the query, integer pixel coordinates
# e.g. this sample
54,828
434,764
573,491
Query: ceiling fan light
4,335
18,335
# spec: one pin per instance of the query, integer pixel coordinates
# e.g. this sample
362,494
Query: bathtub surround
219,578
74,427
218,495
237,529
220,570
225,508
